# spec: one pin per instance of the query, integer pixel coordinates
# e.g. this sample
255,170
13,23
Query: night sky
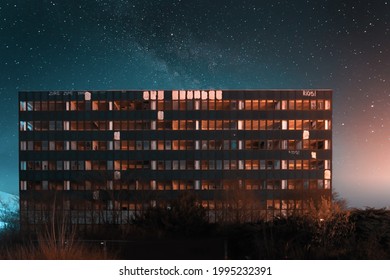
342,45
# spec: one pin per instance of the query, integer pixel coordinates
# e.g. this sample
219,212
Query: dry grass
57,240
48,250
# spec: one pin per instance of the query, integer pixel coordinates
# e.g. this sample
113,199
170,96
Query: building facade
103,156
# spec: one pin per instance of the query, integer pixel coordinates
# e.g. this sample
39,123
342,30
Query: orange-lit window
248,104
306,124
211,125
291,124
271,104
160,105
263,104
306,104
291,104
182,145
204,124
226,105
218,105
298,105
270,124
204,105
262,124
212,105
218,125
248,125
182,105
175,145
182,125
298,124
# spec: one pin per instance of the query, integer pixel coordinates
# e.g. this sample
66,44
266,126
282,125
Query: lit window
327,105
22,106
30,106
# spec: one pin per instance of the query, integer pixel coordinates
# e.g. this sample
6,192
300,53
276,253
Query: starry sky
225,44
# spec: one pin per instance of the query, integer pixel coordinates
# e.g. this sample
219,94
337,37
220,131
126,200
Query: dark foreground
354,234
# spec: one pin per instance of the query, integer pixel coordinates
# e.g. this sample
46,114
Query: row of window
119,212
293,184
176,125
134,206
130,145
255,164
127,105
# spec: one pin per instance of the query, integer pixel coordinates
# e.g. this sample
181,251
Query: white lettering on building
310,93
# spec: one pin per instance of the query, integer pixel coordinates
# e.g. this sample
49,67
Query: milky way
342,45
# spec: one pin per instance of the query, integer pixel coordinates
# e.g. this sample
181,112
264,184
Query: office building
104,156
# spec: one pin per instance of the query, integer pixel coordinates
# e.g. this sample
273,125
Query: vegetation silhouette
179,229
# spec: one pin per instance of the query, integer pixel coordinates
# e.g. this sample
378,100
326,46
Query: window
291,105
59,165
23,145
291,124
327,105
23,165
307,104
23,126
298,104
313,104
30,106
22,106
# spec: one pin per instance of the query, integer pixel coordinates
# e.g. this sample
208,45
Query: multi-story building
101,156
